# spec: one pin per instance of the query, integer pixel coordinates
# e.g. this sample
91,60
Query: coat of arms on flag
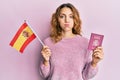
22,38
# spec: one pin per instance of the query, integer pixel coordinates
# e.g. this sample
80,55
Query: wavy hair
56,30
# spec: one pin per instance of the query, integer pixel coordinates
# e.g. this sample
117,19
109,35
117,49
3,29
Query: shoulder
82,39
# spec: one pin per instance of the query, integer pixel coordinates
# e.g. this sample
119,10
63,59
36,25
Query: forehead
66,10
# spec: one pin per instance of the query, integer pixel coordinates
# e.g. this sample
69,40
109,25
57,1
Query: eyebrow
65,14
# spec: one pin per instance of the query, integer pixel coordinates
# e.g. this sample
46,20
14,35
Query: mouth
66,25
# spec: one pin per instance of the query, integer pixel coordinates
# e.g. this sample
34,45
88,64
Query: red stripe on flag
18,34
27,42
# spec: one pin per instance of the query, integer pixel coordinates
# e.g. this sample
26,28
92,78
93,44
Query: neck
68,34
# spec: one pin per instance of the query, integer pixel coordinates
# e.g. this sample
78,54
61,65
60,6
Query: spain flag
22,38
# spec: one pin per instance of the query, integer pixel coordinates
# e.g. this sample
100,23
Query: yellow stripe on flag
24,35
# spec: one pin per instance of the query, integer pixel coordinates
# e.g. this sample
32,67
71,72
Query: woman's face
66,19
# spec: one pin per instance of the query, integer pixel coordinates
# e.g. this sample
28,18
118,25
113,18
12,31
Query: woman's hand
97,56
46,53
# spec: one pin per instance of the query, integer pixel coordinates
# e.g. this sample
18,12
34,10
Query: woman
65,55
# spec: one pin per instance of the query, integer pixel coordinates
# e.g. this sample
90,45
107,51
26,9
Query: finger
98,51
47,50
99,48
48,53
95,55
98,55
46,47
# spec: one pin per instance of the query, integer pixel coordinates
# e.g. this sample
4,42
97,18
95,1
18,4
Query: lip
67,25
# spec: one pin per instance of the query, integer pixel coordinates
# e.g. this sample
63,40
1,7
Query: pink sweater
70,60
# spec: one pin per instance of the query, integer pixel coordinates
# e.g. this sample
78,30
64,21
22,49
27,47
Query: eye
71,16
62,16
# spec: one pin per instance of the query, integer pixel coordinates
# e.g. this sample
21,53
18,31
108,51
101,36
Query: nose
66,19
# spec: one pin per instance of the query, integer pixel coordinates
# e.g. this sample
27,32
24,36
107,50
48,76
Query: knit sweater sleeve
44,70
89,71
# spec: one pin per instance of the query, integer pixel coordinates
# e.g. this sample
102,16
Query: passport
95,41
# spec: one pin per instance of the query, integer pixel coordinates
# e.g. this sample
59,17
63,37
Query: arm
45,62
44,69
91,67
89,71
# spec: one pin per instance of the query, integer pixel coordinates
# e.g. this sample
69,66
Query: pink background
98,16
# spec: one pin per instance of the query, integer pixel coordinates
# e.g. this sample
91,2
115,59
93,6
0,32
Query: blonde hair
56,30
